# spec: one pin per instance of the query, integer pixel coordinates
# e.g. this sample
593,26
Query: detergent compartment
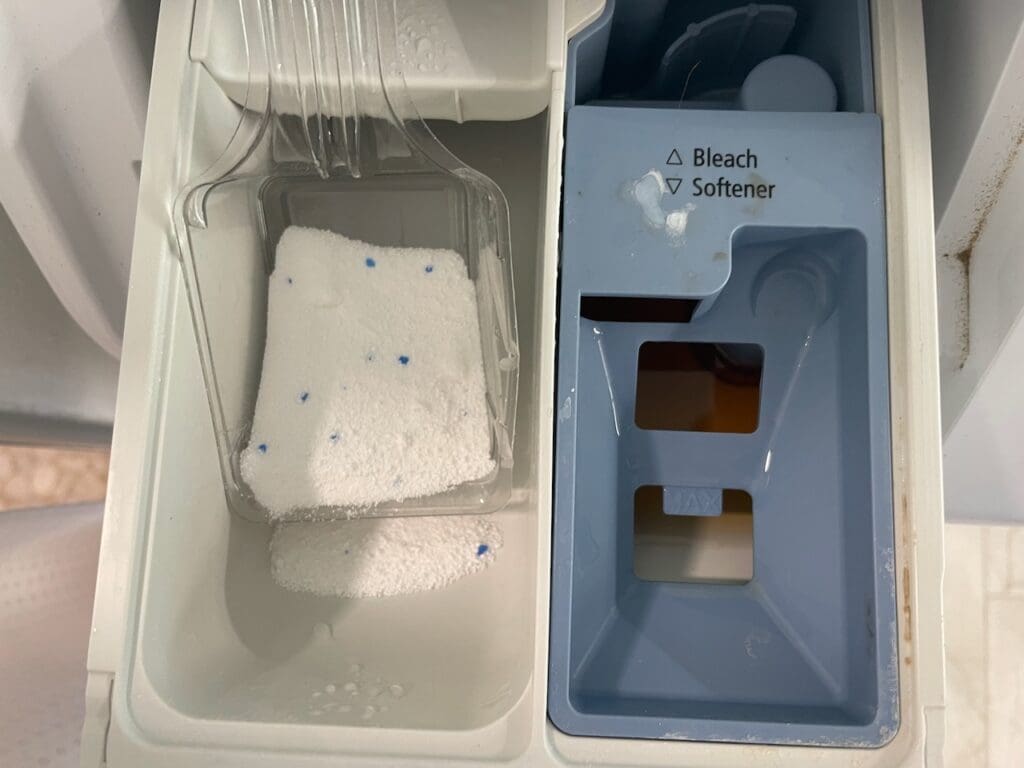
723,564
222,654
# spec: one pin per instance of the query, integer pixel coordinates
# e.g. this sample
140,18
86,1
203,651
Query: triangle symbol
674,158
673,184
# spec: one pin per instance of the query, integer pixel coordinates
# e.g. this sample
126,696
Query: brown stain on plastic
986,203
756,208
963,305
907,609
990,196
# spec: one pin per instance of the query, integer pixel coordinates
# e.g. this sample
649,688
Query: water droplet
423,68
424,45
352,688
355,668
369,711
397,691
330,688
321,632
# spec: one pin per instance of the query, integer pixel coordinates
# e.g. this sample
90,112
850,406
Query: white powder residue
648,192
372,387
380,557
675,221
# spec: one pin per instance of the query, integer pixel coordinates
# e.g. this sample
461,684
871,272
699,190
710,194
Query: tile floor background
38,477
984,624
983,596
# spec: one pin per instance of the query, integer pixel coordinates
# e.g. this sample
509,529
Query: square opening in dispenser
707,537
698,387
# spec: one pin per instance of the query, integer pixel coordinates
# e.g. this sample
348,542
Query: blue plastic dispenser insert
723,524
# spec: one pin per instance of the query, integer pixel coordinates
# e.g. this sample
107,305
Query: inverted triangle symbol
673,184
674,158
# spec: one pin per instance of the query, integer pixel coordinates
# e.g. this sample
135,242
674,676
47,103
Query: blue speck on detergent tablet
262,447
482,550
303,397
403,359
371,263
429,269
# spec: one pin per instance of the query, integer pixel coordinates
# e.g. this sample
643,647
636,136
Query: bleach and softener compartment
723,526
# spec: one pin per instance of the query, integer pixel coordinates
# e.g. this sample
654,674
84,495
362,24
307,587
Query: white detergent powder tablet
372,387
380,557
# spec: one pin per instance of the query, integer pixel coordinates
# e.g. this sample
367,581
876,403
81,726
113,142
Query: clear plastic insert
357,148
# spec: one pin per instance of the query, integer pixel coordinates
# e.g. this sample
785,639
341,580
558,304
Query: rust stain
964,257
963,303
908,630
907,609
905,519
756,208
990,195
986,203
